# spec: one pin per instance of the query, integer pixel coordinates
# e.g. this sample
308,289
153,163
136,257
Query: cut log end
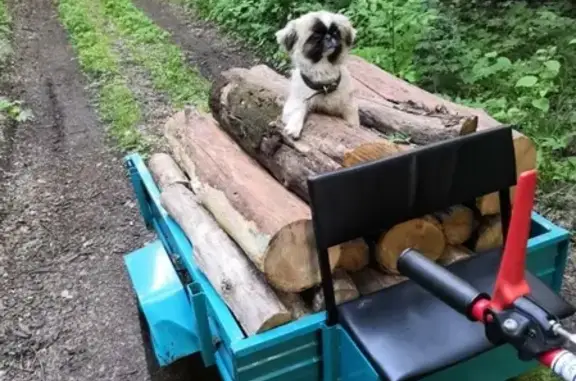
344,291
457,223
291,261
372,151
421,234
224,264
489,234
354,255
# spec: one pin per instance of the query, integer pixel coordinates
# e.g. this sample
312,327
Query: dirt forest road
68,212
66,308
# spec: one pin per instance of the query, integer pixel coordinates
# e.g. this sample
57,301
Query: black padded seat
407,333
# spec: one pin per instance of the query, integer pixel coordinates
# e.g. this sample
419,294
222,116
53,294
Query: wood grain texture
225,265
269,223
423,234
457,223
354,255
344,291
489,234
165,171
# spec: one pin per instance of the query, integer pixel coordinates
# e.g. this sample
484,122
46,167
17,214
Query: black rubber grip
437,280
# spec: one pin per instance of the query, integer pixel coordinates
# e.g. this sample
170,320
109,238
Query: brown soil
68,216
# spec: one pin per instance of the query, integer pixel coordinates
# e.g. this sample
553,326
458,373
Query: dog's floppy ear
287,37
347,30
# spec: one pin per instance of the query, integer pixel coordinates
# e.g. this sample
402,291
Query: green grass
10,109
539,374
5,34
85,22
151,47
94,27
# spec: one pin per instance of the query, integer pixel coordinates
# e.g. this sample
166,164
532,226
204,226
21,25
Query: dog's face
316,36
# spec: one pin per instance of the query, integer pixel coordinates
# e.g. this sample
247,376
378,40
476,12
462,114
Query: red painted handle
510,282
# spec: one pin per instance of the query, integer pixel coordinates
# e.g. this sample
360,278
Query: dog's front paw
352,117
293,130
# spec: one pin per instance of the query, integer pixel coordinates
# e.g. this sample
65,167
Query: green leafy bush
515,59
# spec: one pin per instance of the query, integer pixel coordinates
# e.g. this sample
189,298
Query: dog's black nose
330,42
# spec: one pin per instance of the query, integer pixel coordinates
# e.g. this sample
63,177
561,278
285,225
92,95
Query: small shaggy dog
318,44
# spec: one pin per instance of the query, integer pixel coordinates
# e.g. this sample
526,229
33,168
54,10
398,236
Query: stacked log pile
237,187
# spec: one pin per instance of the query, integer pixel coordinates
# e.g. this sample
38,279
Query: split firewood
422,234
165,171
248,106
226,267
376,85
457,223
454,254
354,256
489,234
271,225
369,280
344,291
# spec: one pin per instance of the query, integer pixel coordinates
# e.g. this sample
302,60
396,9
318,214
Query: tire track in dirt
200,41
66,307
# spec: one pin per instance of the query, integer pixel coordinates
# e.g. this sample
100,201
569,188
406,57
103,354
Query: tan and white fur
318,44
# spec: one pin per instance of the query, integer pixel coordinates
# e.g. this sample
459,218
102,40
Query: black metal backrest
367,198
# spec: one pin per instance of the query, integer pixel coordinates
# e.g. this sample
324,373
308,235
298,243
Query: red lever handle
511,283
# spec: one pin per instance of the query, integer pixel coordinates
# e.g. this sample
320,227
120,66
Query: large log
224,264
373,83
248,105
422,234
166,172
271,225
406,120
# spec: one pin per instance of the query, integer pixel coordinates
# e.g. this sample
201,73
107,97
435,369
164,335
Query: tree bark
375,84
294,303
269,223
344,291
165,171
224,264
248,106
